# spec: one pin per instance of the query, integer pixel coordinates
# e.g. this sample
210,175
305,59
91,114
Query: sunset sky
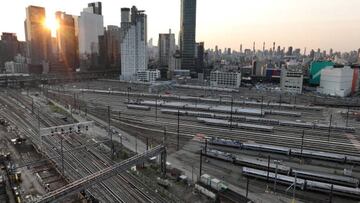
313,24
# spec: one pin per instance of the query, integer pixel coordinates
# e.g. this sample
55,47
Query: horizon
310,23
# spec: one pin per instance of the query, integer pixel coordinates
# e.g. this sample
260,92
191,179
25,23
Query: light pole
276,172
330,127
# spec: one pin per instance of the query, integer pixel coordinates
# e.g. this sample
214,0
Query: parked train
266,121
201,99
304,184
225,123
138,107
282,169
341,158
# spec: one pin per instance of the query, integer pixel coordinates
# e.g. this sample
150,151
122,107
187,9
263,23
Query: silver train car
340,158
265,121
304,184
225,123
327,178
282,169
138,107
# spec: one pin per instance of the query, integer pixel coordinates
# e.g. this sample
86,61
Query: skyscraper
91,26
133,43
38,37
66,41
9,47
167,50
200,56
96,7
188,34
113,46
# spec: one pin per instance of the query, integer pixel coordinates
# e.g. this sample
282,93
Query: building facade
38,37
188,34
66,40
148,75
225,79
113,46
167,49
339,82
91,26
18,65
291,78
133,43
9,47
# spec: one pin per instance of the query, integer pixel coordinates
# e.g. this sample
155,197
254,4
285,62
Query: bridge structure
88,181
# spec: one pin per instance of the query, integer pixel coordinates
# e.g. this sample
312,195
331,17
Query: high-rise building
133,43
38,37
9,47
188,34
96,7
67,42
113,46
91,26
200,50
290,51
167,50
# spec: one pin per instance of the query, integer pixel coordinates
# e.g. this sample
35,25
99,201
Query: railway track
138,193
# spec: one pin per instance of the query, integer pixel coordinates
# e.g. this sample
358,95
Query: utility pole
39,128
268,169
178,130
200,172
331,193
156,107
231,112
110,133
74,105
247,186
136,140
62,157
276,172
302,143
147,143
347,116
164,138
128,94
262,103
32,105
330,127
205,146
294,191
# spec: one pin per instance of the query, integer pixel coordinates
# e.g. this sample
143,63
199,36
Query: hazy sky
313,24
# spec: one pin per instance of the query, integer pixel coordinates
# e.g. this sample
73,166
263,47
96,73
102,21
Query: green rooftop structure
315,70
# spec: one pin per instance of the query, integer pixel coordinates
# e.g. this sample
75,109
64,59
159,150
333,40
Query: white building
225,79
338,81
133,43
291,78
91,26
148,75
17,66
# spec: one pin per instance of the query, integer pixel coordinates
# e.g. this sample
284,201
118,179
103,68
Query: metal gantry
104,174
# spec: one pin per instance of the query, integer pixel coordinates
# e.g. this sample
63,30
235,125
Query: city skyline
312,24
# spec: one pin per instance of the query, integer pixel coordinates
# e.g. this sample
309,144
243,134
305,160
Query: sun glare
52,24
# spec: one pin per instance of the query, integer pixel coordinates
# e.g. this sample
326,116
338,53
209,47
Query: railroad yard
221,145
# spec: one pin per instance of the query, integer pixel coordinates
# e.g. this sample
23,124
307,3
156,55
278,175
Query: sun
52,24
